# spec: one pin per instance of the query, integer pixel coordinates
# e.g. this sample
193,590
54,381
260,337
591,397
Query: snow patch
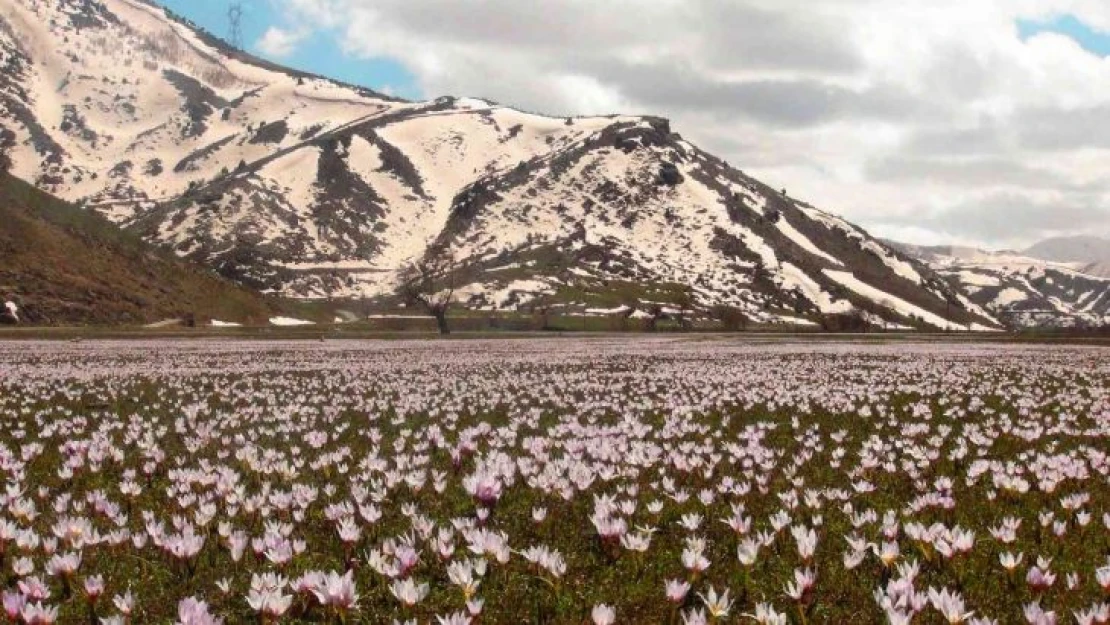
216,323
803,242
290,322
886,300
1010,296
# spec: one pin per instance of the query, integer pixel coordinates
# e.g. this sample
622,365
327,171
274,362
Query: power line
235,25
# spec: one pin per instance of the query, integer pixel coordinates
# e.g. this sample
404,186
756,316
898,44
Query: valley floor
655,479
341,333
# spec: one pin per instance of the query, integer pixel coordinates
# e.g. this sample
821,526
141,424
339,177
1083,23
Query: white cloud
280,43
896,113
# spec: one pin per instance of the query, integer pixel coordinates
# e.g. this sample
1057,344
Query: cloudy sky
983,122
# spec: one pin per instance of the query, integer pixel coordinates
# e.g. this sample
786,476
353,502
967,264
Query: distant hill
1091,255
64,265
1072,250
1099,269
1022,290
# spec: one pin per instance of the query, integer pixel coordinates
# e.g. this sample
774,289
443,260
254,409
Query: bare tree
655,314
429,283
732,319
685,302
852,321
541,315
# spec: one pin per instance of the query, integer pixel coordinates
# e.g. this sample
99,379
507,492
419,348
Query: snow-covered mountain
303,186
1021,290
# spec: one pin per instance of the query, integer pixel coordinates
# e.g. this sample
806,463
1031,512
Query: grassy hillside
66,266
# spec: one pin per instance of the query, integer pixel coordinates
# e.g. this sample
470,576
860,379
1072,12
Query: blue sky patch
320,53
1089,39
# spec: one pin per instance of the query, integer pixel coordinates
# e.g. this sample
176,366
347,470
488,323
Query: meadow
651,480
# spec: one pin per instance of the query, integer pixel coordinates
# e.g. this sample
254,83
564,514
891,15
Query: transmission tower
235,25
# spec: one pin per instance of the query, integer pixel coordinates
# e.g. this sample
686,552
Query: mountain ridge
1022,290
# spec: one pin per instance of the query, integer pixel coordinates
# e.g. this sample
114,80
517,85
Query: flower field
554,481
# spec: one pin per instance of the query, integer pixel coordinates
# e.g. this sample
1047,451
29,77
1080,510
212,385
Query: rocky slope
305,187
1020,290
